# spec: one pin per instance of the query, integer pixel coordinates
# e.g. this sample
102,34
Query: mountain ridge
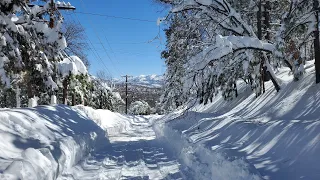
152,81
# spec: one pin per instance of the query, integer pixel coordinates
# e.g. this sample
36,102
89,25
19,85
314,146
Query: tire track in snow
134,154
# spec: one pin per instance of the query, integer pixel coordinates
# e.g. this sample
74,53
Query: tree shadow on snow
57,123
130,154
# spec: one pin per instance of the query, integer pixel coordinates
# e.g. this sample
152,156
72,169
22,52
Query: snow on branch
216,10
225,45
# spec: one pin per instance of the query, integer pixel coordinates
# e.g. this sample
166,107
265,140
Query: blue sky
128,48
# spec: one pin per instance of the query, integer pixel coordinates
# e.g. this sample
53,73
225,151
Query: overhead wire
115,17
105,50
93,49
158,37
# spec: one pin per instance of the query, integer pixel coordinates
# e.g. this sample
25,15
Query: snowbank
119,127
277,133
73,65
202,163
44,142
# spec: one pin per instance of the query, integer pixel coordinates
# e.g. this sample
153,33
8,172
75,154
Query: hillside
151,81
276,133
146,88
275,136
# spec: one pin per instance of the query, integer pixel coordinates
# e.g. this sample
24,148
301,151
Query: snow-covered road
68,143
128,160
133,152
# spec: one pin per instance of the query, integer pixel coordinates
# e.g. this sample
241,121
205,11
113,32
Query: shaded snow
44,142
277,134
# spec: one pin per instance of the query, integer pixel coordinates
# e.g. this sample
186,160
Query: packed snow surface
65,143
274,136
278,134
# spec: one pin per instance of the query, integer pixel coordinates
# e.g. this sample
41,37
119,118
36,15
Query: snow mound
73,65
276,133
45,142
201,162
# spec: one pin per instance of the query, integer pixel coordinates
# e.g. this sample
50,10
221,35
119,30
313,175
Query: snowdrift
278,134
45,142
137,133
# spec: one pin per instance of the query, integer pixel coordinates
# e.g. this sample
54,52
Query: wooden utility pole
52,10
316,41
126,76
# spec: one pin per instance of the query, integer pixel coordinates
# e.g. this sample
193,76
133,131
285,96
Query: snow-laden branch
225,45
214,10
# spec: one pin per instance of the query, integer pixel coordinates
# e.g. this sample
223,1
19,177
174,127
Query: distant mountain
152,81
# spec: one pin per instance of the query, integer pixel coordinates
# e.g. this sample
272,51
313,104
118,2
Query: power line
94,51
115,17
82,3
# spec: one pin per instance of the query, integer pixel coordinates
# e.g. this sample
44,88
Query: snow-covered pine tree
45,49
101,96
10,54
298,26
173,95
30,49
227,42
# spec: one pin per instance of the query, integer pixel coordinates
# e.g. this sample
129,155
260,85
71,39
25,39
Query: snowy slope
134,151
139,150
274,136
44,142
277,133
82,143
152,81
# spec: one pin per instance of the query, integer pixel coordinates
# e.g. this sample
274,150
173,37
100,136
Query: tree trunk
29,90
235,89
65,91
101,100
5,98
272,76
316,41
288,64
73,99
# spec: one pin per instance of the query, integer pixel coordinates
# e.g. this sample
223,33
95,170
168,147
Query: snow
44,142
53,100
73,65
205,2
153,81
33,102
18,98
274,136
139,108
223,46
138,136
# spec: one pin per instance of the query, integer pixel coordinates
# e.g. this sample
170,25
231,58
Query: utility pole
126,76
52,10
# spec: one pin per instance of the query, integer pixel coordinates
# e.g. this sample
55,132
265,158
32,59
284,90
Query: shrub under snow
139,108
